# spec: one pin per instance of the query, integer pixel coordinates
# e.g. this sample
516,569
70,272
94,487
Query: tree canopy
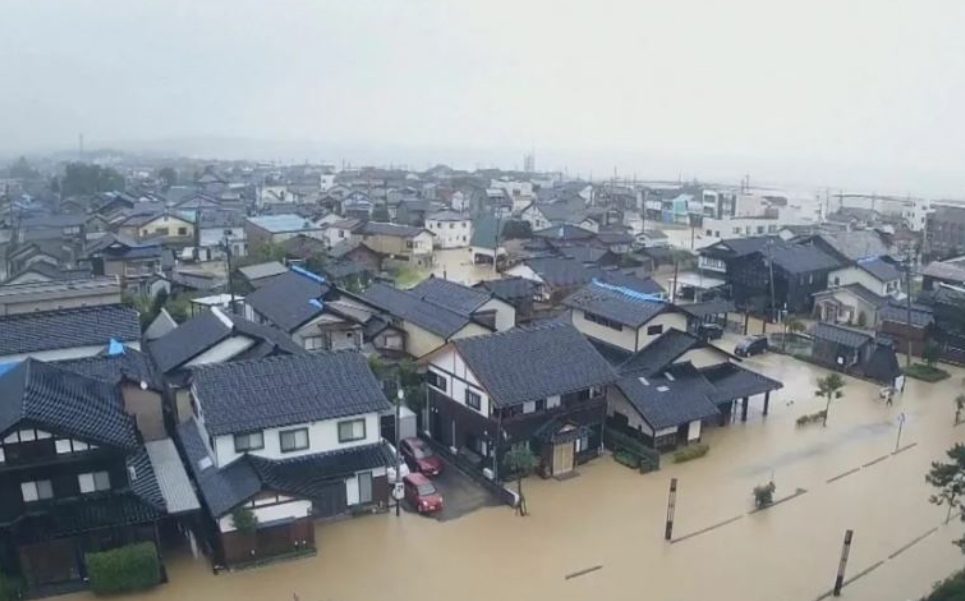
84,178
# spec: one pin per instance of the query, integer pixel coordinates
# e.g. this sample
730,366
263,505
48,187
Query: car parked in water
420,457
754,345
421,493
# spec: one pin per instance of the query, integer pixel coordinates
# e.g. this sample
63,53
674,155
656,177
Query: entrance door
50,562
563,458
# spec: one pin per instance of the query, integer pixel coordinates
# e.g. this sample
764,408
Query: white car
390,470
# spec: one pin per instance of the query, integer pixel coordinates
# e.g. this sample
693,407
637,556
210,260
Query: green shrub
928,373
648,460
950,589
691,452
627,459
811,418
244,520
132,568
764,495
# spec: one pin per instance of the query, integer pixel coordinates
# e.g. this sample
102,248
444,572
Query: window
36,491
93,482
313,343
541,404
161,231
529,407
654,330
350,430
295,440
582,443
182,231
435,380
603,321
553,401
249,441
473,400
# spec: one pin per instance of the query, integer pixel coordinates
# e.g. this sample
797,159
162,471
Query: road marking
842,475
874,461
707,529
913,542
863,572
582,572
905,448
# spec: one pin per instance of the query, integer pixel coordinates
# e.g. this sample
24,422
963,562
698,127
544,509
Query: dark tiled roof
282,390
731,381
527,364
882,365
67,328
510,289
795,258
619,306
740,247
131,365
145,484
450,295
660,353
670,401
564,231
898,312
310,475
485,229
711,307
855,245
864,294
222,489
586,254
373,228
207,329
286,300
880,269
951,270
646,285
68,403
840,335
73,517
262,270
407,306
560,272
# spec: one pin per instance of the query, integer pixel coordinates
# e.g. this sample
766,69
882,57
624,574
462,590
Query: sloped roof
861,292
375,228
207,329
731,381
282,390
795,258
262,270
855,245
665,401
510,289
409,307
288,222
622,305
527,364
950,270
67,328
840,335
287,299
714,306
564,231
131,365
630,281
660,353
921,316
451,295
68,403
879,269
561,272
222,489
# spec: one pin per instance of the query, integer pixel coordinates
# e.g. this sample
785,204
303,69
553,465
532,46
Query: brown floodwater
612,519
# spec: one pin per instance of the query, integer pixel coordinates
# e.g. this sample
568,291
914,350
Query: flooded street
456,264
608,522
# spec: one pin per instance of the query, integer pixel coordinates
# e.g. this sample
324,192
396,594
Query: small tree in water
949,479
931,353
830,387
764,494
959,407
521,461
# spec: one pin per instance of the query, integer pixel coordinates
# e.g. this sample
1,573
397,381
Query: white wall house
626,337
451,229
854,274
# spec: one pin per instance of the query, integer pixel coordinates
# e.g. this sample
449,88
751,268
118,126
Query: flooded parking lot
600,535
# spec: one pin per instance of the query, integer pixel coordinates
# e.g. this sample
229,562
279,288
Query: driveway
461,494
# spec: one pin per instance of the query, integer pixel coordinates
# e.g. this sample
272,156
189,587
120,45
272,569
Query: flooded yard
600,535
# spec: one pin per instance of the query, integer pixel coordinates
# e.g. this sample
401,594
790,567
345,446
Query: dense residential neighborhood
227,367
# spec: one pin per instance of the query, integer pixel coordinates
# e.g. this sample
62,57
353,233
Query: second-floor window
473,400
38,490
603,321
93,482
654,330
249,441
293,440
435,380
351,430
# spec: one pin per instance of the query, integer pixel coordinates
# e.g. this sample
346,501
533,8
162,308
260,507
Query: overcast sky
841,93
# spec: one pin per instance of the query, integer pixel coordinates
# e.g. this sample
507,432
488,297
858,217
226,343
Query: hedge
132,568
950,589
630,451
691,452
927,373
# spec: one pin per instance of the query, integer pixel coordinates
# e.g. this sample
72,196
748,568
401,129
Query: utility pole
227,254
843,564
908,304
671,509
770,267
399,394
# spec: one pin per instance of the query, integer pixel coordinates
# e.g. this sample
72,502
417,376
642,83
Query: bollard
671,506
845,549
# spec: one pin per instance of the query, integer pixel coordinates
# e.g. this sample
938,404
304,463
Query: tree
168,177
830,387
380,213
82,178
764,494
949,479
517,229
520,461
21,169
959,406
795,325
244,520
931,353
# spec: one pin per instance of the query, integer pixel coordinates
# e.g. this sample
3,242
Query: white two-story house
284,440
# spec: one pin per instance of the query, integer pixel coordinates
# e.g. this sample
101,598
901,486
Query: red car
420,457
421,493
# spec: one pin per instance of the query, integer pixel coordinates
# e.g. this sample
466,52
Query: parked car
390,470
755,345
420,457
421,493
710,331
